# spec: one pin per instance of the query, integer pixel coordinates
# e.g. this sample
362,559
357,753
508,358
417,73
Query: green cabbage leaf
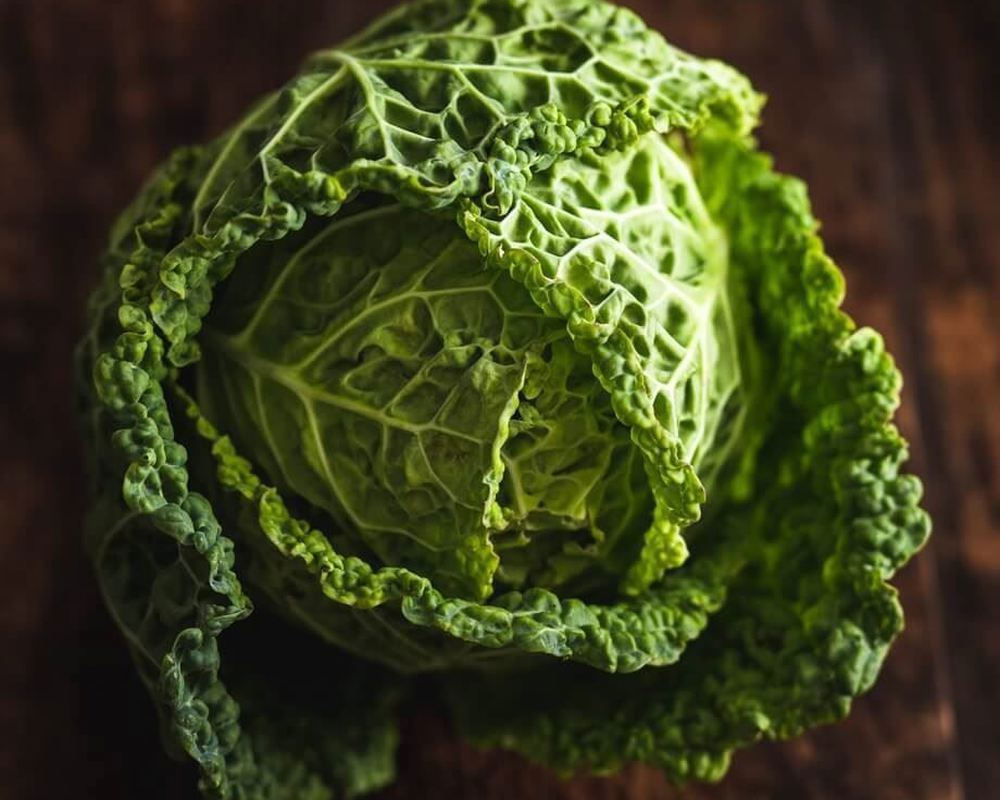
490,355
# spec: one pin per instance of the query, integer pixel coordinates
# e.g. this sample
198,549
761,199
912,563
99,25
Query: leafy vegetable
489,348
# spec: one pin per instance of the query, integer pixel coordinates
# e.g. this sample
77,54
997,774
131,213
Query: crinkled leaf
703,308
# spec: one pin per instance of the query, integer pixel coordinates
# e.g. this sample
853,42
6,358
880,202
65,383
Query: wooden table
886,107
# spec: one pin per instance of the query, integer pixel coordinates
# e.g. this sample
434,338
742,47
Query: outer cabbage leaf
833,518
165,569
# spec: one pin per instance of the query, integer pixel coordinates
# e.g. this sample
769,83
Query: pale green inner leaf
375,366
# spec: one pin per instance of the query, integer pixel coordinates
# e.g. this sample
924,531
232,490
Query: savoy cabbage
489,353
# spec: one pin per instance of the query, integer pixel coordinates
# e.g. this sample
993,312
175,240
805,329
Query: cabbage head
489,360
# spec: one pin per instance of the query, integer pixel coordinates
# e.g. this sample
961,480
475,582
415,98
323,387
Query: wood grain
880,106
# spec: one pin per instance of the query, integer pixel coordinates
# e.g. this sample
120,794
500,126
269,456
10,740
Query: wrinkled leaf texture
764,619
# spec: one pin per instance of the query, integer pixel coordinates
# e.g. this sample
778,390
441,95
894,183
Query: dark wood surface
888,108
